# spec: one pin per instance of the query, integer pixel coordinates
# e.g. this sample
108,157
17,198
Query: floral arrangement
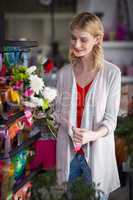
28,89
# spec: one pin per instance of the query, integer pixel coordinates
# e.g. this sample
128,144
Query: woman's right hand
77,136
83,136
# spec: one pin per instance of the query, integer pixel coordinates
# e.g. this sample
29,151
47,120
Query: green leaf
45,104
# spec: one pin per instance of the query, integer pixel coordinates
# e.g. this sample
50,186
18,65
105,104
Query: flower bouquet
28,89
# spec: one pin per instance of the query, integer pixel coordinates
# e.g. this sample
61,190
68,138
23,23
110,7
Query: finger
82,129
78,136
77,141
77,133
76,129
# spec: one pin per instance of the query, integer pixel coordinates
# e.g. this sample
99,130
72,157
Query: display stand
13,148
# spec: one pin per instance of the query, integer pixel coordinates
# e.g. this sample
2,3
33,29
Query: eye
84,39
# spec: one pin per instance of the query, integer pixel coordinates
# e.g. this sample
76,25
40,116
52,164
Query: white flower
30,70
36,83
49,93
34,102
37,101
29,104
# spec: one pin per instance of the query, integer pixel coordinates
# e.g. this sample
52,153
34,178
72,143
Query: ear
98,39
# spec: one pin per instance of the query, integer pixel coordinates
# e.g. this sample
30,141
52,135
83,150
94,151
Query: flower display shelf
24,145
27,179
24,100
18,43
9,120
13,145
4,134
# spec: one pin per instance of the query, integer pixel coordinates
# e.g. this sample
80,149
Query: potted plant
44,187
124,139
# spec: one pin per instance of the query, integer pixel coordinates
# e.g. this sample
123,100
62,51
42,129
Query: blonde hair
92,24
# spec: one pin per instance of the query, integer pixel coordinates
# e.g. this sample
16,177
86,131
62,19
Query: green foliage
80,190
44,187
45,104
19,73
125,127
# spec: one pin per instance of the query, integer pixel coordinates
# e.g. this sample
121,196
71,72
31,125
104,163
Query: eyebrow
84,35
79,36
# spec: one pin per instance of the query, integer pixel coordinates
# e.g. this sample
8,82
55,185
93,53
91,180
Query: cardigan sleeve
61,109
58,100
113,102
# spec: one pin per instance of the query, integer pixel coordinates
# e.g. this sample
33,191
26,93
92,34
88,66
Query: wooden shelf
118,44
24,145
22,45
127,80
19,43
8,120
16,187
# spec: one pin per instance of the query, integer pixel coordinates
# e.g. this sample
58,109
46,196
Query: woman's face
82,42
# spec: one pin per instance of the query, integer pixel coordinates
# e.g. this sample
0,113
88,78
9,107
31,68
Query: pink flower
18,85
28,92
27,118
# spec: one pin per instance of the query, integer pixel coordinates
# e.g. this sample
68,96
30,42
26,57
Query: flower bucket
45,154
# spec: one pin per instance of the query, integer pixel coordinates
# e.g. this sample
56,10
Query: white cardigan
101,109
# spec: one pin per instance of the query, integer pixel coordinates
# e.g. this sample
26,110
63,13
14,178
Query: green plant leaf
45,104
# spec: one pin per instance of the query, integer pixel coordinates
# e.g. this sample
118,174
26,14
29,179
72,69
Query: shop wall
108,8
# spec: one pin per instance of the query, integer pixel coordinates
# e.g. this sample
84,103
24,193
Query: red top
81,94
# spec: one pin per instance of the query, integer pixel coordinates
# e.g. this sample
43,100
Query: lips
77,50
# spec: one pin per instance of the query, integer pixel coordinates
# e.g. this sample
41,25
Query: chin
78,55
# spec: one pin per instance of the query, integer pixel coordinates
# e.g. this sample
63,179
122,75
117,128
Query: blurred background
47,22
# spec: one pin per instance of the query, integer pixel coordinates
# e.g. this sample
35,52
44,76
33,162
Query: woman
87,106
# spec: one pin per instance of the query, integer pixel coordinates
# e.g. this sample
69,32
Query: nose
77,43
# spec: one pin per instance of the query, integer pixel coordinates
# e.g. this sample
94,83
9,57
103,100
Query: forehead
82,33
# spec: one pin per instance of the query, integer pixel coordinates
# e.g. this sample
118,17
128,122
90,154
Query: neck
86,63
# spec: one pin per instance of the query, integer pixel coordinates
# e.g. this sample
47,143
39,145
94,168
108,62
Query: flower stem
51,131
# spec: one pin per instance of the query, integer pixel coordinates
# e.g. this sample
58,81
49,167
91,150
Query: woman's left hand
83,136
